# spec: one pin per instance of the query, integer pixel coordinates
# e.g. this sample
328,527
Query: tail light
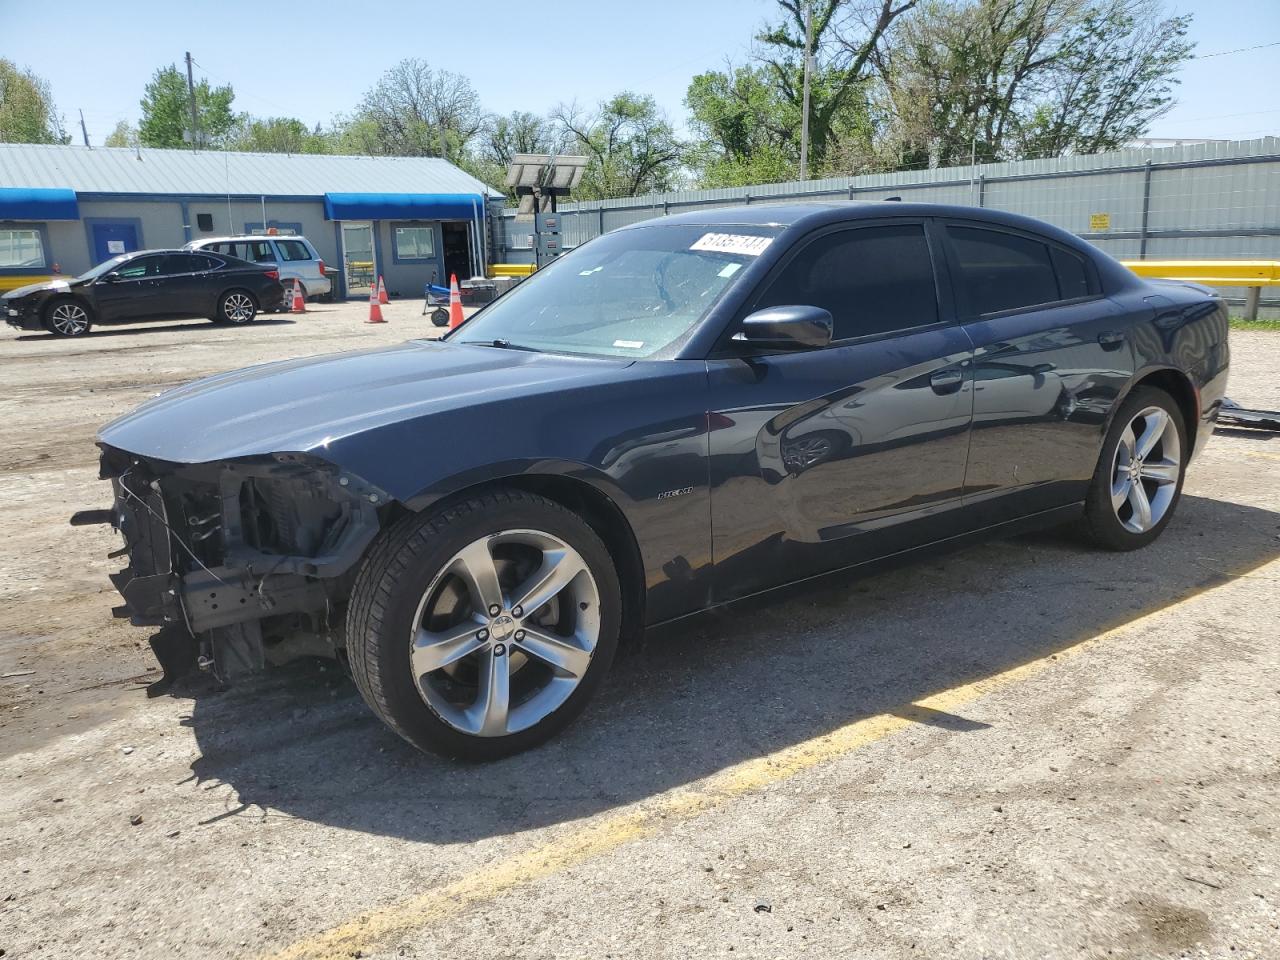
271,274
322,268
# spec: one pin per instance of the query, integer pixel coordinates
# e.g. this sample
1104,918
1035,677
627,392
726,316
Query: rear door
1050,358
185,284
828,457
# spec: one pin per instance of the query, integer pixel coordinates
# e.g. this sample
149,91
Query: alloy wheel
237,308
69,319
1148,465
505,632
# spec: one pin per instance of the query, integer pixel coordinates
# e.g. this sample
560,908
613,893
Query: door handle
946,381
1111,339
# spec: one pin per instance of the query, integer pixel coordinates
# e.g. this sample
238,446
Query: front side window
1002,271
626,294
872,280
291,250
21,248
138,269
415,243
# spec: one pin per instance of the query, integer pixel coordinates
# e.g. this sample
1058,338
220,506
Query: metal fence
1195,201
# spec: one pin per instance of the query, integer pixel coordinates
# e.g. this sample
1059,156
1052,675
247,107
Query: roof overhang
403,206
30,203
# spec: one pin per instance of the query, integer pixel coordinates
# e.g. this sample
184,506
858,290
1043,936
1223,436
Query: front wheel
1138,481
484,628
67,317
236,307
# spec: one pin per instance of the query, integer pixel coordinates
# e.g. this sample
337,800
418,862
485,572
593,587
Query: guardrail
1250,274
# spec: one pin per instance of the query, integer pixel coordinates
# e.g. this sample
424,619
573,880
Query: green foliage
277,135
631,146
27,111
414,111
166,110
124,135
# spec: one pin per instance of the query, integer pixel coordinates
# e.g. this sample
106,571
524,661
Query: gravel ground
1026,749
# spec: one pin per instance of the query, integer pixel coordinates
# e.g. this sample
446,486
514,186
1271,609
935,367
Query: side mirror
787,327
111,277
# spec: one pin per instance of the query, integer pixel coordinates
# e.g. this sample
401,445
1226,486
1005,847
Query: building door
457,250
360,270
112,238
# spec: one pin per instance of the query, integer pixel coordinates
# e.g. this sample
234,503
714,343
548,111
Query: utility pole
84,130
808,64
191,94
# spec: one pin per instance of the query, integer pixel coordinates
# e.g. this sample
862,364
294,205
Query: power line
1225,53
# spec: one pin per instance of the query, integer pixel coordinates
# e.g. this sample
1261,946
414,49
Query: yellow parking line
581,843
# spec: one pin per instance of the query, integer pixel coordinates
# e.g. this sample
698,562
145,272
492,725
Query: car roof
243,237
809,214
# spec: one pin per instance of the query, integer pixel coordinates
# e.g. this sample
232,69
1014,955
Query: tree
124,135
846,36
746,130
27,110
414,111
166,110
1003,79
277,135
631,146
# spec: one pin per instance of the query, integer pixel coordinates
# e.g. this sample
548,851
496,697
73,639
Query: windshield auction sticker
743,245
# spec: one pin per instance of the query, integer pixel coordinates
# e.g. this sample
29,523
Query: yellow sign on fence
1099,222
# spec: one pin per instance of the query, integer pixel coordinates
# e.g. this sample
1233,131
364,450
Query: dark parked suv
147,285
676,415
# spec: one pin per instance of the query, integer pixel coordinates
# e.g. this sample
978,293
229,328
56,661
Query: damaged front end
237,562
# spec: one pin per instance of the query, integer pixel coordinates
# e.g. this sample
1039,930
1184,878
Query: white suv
293,256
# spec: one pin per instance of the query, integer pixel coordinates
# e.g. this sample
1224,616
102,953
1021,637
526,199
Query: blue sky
317,59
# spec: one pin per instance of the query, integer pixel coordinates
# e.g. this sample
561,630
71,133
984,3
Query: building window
415,243
21,249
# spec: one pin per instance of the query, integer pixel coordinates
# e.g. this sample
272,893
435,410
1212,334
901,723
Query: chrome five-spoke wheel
1148,463
505,633
69,319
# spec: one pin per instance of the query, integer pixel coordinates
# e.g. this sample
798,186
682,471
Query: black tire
440,317
1102,525
61,315
400,567
236,308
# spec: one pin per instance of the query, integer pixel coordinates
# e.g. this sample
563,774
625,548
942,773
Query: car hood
44,285
313,404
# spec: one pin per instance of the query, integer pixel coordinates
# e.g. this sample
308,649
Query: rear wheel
483,629
67,317
1138,481
236,307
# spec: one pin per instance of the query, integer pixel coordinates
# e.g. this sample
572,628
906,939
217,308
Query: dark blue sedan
676,415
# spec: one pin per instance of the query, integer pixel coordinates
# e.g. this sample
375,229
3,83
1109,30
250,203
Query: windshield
625,294
106,266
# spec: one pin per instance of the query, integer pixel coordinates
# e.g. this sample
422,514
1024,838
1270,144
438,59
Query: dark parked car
147,285
676,415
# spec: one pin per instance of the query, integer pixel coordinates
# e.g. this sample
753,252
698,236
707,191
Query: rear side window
1073,274
1001,271
872,280
185,263
293,250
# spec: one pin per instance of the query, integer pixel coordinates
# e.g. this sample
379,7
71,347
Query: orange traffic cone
299,304
382,290
375,311
455,302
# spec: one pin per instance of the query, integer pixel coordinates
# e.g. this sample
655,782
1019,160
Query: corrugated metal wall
1197,201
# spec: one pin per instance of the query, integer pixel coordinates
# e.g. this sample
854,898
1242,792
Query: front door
457,250
112,238
828,457
131,291
359,268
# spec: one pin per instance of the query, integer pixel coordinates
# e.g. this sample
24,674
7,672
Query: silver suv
293,256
